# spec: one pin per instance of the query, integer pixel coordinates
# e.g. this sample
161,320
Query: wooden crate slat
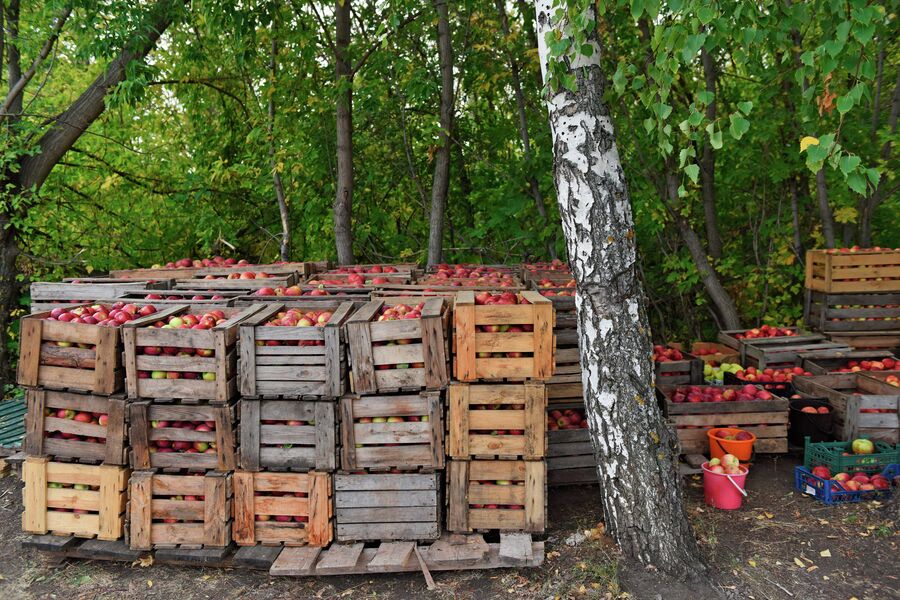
143,413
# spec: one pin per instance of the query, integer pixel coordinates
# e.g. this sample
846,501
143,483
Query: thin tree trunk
877,197
708,164
824,208
285,249
343,201
636,452
795,218
441,182
14,58
16,90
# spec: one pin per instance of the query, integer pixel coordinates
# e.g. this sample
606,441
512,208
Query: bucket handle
736,486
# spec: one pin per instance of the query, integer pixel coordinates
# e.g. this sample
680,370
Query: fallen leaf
825,553
206,577
149,583
799,563
823,522
582,590
751,562
143,562
769,515
811,569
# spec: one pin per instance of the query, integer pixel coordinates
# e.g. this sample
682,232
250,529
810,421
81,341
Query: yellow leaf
811,569
825,553
808,141
149,583
143,562
751,562
768,514
799,563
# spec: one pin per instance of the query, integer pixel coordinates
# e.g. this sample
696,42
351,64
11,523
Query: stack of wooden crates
497,471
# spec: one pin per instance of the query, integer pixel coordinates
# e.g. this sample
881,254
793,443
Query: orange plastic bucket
719,447
723,491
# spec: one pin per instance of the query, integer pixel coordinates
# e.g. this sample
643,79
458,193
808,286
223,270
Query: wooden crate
343,280
290,509
160,273
294,361
145,436
191,511
376,435
727,337
766,419
91,361
79,440
863,271
720,352
868,340
777,352
390,290
829,361
49,295
288,435
861,405
221,340
408,269
570,454
677,372
401,355
521,501
182,297
52,503
855,313
469,342
218,279
395,506
497,420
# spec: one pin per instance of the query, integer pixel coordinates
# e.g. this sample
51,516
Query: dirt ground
780,545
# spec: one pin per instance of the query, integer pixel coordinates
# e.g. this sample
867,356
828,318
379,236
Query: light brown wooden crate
867,271
519,503
228,279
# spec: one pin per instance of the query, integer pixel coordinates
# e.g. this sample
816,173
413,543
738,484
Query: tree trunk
795,218
708,164
876,198
824,208
343,201
636,453
285,247
441,182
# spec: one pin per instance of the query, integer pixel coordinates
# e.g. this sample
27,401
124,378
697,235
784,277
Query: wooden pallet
301,438
828,361
376,435
450,553
401,355
856,313
294,361
109,443
849,395
866,271
46,296
290,509
766,419
868,340
50,507
518,503
468,342
221,341
223,279
96,368
144,435
479,411
387,507
201,505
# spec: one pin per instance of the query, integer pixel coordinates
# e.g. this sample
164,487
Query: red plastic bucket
723,491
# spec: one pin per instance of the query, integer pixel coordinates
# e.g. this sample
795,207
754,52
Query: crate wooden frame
390,290
846,406
185,298
724,354
47,295
314,446
114,451
222,339
430,347
141,434
160,273
886,340
831,273
824,363
467,342
410,269
689,370
570,453
773,414
407,446
463,420
98,370
726,336
395,506
285,278
214,510
317,506
105,520
463,489
820,310
294,371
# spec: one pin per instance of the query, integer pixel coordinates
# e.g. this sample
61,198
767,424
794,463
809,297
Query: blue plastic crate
830,492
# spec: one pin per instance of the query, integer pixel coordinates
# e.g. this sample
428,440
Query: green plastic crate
830,454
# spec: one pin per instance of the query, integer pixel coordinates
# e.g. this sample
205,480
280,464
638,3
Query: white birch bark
636,455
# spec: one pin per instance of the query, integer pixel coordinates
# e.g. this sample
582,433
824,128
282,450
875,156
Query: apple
822,472
862,446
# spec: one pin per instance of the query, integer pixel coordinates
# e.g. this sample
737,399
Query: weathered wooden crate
54,504
766,419
854,313
712,352
402,431
58,435
288,435
224,279
219,345
294,361
499,420
399,355
290,509
49,295
479,503
829,361
395,506
346,283
152,433
532,349
408,269
390,290
777,351
676,372
190,511
727,337
197,299
570,455
863,271
90,359
161,273
861,405
868,340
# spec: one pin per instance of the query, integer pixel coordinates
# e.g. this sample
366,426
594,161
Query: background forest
710,102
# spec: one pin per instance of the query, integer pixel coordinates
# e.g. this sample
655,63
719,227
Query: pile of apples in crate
717,373
487,298
293,290
243,275
399,312
469,276
348,280
91,418
782,375
286,423
216,261
858,481
100,314
854,366
501,506
712,393
194,297
294,317
166,446
766,331
189,321
570,418
663,354
362,269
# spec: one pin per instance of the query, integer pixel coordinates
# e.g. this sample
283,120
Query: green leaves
693,171
739,126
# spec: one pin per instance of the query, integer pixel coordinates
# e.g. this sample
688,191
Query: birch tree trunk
440,185
636,452
343,200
